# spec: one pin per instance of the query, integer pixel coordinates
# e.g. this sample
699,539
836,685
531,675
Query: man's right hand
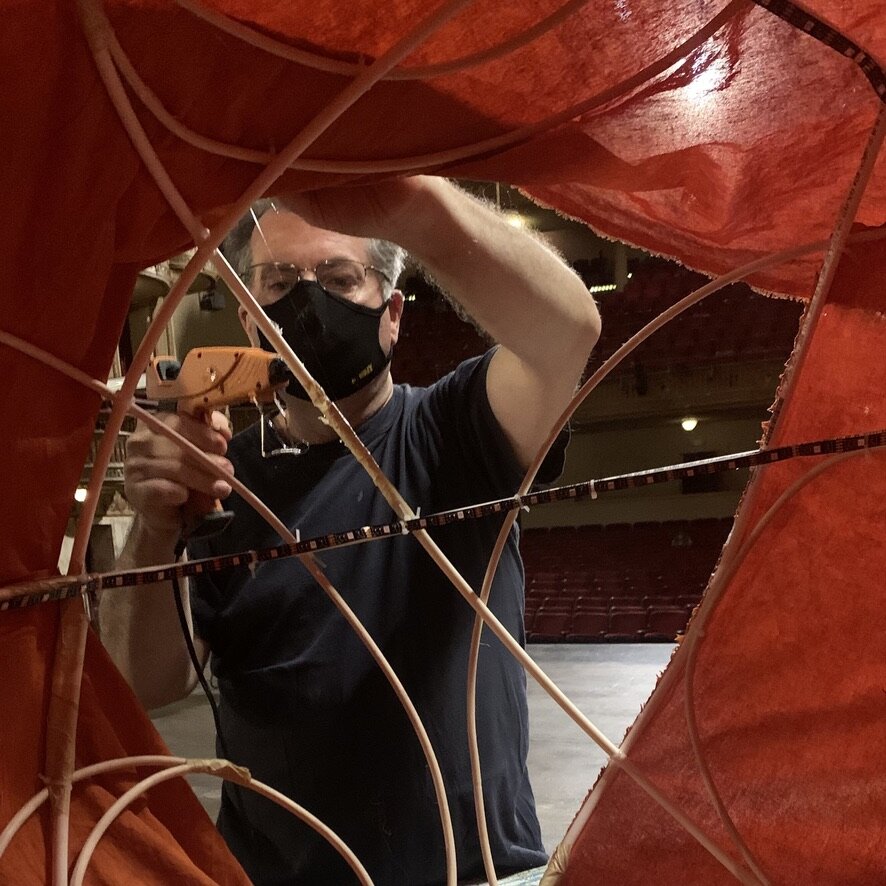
159,477
140,626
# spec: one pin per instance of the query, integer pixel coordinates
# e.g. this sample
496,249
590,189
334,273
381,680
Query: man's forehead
286,237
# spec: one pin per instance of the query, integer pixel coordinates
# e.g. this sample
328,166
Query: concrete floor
608,682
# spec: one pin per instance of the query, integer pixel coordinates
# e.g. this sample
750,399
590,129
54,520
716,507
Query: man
303,706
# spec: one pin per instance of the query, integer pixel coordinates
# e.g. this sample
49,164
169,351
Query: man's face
285,237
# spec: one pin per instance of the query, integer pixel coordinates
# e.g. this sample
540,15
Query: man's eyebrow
289,264
343,258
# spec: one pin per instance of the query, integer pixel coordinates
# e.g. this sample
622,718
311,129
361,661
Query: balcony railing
114,474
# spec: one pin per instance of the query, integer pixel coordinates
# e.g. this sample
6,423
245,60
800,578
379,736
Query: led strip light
32,593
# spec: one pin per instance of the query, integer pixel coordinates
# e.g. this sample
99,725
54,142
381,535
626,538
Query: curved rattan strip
31,806
675,670
846,216
422,161
229,772
309,563
717,588
315,60
68,665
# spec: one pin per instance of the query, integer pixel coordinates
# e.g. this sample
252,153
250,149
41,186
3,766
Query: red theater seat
665,622
573,569
626,624
549,626
592,603
588,626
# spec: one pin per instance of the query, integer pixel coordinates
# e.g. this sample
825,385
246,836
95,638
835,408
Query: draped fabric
788,682
744,146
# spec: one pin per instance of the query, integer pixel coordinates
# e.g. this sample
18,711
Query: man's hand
159,477
380,210
140,627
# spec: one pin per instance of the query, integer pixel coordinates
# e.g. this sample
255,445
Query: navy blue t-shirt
304,706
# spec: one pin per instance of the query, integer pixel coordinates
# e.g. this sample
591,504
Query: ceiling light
515,220
603,287
80,494
689,423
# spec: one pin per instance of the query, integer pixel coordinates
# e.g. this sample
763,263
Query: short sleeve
468,423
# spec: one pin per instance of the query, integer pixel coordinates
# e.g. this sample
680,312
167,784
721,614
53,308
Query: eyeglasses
340,276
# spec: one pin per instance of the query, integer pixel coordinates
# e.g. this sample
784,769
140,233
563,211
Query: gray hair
384,255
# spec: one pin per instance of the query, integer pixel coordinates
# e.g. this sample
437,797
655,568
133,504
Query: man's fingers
212,437
208,437
200,480
162,458
142,471
160,476
212,440
192,465
165,493
220,424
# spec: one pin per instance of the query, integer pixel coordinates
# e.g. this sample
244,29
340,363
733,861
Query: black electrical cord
233,792
192,651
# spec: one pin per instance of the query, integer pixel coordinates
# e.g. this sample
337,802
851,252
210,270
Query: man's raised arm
508,281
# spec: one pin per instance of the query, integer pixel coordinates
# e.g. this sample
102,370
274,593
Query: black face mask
336,339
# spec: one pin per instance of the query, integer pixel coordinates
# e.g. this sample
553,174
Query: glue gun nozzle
278,373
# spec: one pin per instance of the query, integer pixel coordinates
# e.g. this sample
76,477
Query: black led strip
824,33
49,590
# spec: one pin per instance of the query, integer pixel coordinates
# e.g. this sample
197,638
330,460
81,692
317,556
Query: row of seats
670,533
613,547
554,603
617,581
637,581
433,339
641,579
653,623
700,338
647,554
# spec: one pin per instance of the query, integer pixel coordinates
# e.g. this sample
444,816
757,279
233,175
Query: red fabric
165,837
759,159
789,682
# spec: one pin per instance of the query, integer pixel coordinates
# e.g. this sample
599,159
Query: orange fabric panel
67,166
789,682
733,155
736,152
861,22
165,837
